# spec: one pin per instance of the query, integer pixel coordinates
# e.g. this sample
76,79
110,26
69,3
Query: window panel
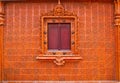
59,36
52,36
65,36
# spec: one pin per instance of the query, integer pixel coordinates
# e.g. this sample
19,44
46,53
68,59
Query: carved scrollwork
59,61
59,10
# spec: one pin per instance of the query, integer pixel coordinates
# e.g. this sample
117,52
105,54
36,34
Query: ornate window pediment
59,10
59,15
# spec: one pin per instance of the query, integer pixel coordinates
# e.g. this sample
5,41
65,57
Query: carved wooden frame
60,19
59,15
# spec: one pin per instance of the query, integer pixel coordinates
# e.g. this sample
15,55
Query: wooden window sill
58,59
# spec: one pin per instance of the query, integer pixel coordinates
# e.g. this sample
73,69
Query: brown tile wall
22,37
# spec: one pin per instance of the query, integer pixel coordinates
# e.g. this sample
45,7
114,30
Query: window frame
61,19
59,15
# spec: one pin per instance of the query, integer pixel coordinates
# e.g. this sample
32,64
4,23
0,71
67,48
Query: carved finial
59,2
59,9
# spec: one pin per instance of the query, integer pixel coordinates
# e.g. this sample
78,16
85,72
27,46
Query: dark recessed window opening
59,36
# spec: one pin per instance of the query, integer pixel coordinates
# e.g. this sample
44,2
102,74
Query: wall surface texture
22,42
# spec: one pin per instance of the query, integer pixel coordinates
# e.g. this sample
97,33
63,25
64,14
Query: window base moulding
58,60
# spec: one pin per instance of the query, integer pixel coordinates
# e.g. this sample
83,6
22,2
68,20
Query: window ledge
58,59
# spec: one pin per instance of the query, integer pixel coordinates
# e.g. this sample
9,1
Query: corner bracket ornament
59,15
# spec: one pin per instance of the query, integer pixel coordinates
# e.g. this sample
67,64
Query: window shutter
65,36
53,36
59,37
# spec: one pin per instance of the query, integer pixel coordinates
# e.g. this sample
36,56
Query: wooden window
59,36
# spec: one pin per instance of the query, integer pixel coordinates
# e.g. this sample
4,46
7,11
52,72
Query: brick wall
21,43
